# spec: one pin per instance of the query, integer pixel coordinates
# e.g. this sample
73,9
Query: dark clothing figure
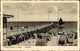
11,28
62,40
17,39
10,41
75,37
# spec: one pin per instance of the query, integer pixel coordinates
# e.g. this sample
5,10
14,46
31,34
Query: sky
40,11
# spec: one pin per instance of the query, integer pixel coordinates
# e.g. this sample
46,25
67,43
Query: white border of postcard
38,47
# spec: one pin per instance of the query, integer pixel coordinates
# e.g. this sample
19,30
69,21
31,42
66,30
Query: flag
49,11
59,9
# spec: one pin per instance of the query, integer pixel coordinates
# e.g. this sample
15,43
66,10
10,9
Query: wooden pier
19,35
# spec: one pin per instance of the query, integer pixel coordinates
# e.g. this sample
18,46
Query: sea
68,25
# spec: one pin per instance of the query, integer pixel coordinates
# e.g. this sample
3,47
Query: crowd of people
63,39
16,39
43,35
68,39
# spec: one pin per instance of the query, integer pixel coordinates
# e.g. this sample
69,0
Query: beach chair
69,41
5,42
41,42
62,40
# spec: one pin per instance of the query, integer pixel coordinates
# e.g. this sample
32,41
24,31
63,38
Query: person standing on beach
23,28
62,39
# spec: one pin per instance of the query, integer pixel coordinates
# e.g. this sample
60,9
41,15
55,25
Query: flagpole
58,18
48,15
17,14
38,25
58,13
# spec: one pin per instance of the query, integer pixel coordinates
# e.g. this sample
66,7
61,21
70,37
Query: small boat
61,22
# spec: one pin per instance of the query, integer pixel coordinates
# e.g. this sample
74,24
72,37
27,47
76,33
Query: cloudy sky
39,11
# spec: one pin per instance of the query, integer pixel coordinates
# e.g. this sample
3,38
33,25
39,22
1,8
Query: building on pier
5,16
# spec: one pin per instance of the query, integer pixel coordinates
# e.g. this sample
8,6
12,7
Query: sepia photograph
40,24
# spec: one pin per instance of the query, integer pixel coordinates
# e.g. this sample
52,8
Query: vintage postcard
40,25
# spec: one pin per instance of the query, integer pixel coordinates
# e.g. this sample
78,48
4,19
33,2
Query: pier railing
20,31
